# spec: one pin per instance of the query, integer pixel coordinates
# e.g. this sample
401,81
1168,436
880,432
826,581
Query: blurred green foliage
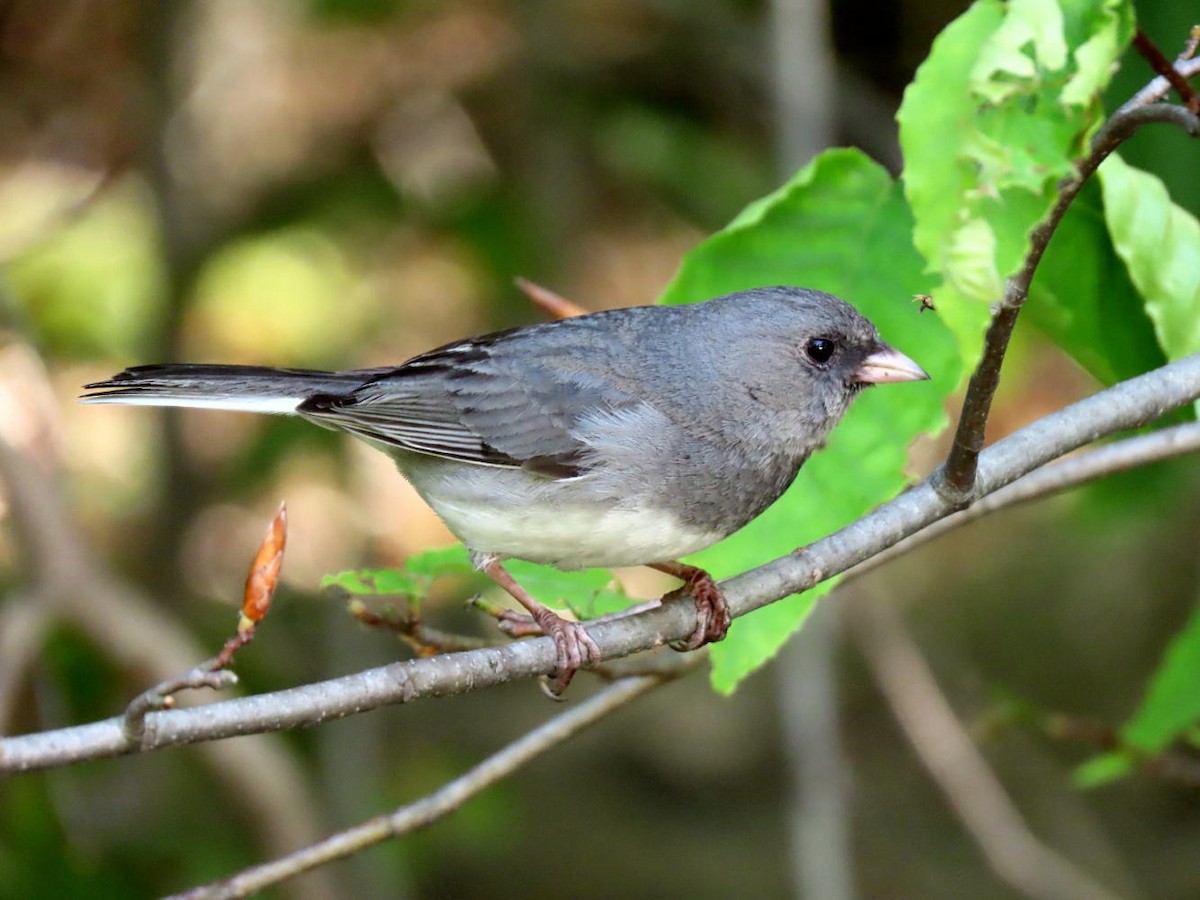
96,287
346,182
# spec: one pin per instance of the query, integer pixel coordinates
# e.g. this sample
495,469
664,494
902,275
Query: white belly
572,537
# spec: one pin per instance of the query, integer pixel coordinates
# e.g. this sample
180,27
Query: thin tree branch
1053,478
434,806
952,760
1165,69
1175,765
1130,404
1160,87
958,483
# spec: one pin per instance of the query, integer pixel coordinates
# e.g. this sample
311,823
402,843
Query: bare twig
1160,87
214,673
952,760
162,695
411,628
1164,68
1130,404
440,803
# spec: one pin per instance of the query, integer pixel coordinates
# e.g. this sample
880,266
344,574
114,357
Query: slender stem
1163,66
434,806
1159,87
957,482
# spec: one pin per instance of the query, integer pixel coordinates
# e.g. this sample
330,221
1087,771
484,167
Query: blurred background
344,183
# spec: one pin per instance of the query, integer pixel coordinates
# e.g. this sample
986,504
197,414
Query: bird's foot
511,622
712,612
574,647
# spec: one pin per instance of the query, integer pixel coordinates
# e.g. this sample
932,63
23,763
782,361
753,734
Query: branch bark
1055,477
1130,404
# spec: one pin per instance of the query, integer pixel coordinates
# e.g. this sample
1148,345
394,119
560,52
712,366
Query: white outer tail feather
274,405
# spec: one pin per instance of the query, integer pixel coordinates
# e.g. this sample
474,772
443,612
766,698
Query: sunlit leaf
589,593
94,287
440,562
1160,244
994,120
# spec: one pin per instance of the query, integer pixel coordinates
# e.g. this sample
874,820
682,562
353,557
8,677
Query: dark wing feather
485,401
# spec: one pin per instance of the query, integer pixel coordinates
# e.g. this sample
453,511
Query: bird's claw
573,646
574,649
517,625
712,613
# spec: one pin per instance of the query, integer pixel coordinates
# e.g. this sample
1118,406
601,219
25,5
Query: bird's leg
574,645
712,612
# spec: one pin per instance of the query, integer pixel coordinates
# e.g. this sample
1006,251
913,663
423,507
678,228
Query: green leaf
1084,300
1003,65
995,118
1103,769
840,225
1172,704
588,593
1160,244
453,560
375,582
414,580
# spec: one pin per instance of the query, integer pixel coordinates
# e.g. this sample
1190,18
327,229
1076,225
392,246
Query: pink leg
574,645
712,613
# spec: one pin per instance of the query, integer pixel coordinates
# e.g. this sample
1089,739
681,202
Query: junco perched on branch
620,438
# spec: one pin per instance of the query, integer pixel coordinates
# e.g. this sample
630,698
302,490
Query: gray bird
627,437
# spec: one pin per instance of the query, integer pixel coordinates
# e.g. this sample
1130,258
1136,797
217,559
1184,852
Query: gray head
802,350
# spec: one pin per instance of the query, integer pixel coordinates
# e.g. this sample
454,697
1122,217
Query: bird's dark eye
819,350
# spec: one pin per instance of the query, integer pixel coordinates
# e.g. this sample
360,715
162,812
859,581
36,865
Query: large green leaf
1160,244
1084,300
996,117
840,225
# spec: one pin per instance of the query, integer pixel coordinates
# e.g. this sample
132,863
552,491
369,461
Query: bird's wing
490,401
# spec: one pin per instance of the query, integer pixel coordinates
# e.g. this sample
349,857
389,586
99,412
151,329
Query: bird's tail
243,388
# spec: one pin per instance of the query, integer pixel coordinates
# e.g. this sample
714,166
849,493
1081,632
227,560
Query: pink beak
888,366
